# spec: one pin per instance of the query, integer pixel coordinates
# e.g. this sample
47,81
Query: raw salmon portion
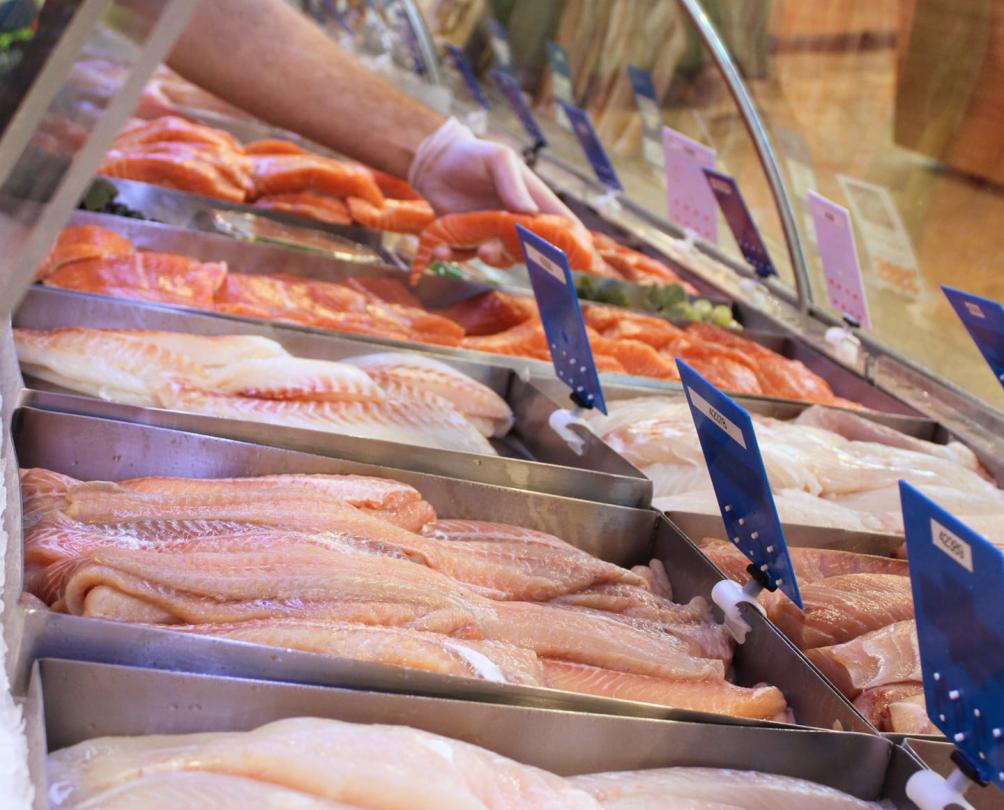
273,146
308,204
524,340
883,656
636,357
182,169
279,174
293,378
84,242
364,766
395,646
400,216
174,128
394,187
875,704
386,421
714,788
417,373
840,608
712,695
160,277
386,289
543,565
297,581
656,332
781,377
591,637
201,790
489,313
723,370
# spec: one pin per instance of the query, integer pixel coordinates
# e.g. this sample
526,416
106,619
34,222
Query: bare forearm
264,57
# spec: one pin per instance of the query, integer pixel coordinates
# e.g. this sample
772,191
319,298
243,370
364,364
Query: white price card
689,200
839,256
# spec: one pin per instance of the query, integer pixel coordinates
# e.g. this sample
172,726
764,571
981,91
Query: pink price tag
689,200
839,255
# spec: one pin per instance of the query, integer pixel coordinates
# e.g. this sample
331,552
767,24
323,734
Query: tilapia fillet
366,766
883,656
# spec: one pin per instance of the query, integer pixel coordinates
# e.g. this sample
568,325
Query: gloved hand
456,171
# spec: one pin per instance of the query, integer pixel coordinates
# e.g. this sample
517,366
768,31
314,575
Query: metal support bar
761,141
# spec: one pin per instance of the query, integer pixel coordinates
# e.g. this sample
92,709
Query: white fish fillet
294,378
668,787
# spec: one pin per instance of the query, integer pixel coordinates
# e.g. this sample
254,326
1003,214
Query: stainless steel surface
82,701
937,756
532,456
696,526
53,142
90,448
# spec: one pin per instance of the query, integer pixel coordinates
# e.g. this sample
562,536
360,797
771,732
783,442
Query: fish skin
394,646
417,373
887,655
752,790
363,765
838,609
291,378
711,695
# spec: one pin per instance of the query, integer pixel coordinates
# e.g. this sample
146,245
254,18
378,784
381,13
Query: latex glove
456,171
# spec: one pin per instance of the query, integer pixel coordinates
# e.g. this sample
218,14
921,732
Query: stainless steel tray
432,291
91,448
531,457
70,702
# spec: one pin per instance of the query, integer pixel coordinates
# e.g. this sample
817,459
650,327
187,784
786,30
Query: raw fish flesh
669,788
896,707
883,656
281,174
295,378
712,695
396,646
838,609
79,242
366,766
308,204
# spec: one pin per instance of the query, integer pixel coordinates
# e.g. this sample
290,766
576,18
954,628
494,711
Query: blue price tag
740,480
411,41
590,143
957,579
561,73
510,89
651,116
984,320
501,49
463,67
733,206
562,316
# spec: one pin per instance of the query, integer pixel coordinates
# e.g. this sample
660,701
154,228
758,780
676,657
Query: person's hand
456,171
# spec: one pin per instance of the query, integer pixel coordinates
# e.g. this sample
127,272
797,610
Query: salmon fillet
489,313
177,167
172,128
308,204
282,174
712,695
84,242
399,216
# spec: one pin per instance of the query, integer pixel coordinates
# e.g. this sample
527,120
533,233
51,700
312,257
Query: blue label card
957,577
463,66
562,316
591,146
651,116
984,320
839,256
501,49
737,214
740,480
510,89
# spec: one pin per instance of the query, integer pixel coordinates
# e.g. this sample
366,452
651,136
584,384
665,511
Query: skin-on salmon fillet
84,242
712,695
365,766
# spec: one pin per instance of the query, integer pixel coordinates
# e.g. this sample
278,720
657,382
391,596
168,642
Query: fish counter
140,736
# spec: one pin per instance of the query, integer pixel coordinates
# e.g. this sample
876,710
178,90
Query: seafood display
826,468
309,762
407,398
857,627
96,260
364,568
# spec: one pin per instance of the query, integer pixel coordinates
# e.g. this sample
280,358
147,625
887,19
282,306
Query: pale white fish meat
200,790
101,363
884,656
386,421
417,374
909,716
370,766
751,790
294,378
210,351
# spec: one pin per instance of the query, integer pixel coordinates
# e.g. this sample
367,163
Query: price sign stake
651,116
501,49
984,320
956,577
509,88
464,68
689,200
741,486
839,255
737,214
591,146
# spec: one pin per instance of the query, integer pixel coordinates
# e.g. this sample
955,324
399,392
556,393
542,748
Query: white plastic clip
845,342
477,120
728,595
931,791
754,291
608,203
561,422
